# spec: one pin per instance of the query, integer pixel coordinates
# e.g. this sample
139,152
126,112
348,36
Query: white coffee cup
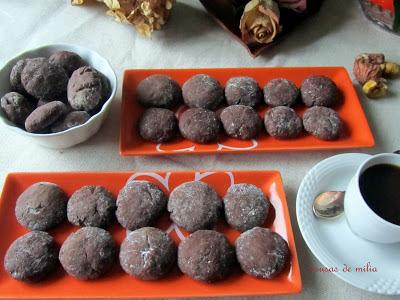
363,221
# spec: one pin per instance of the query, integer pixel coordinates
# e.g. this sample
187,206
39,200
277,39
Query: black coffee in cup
380,188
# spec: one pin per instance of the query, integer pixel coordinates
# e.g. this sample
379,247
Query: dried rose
260,22
296,5
368,67
145,15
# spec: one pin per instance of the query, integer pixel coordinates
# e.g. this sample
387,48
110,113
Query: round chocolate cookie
44,116
32,257
85,89
41,206
15,76
139,204
147,253
281,92
88,253
200,125
72,119
246,206
44,80
262,253
16,107
202,91
319,91
206,255
69,61
159,91
282,122
91,205
158,125
194,205
322,122
243,90
241,122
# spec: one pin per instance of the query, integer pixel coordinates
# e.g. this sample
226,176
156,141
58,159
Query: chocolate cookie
159,91
246,206
139,204
44,116
158,125
44,80
322,122
200,125
91,205
69,61
281,92
282,122
262,253
15,76
16,107
88,253
319,91
41,206
147,253
202,91
241,122
85,89
32,257
243,90
206,255
194,205
72,119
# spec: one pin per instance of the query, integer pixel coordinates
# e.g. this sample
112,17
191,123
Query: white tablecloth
192,39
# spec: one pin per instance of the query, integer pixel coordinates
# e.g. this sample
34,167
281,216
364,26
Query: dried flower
260,22
375,89
296,5
390,69
145,15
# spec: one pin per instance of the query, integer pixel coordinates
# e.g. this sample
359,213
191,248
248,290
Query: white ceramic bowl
73,135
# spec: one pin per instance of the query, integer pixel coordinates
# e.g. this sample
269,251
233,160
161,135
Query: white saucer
332,241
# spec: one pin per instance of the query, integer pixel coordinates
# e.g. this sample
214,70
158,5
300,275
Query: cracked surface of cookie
200,125
243,90
159,91
283,122
322,122
262,253
32,257
85,89
147,253
202,91
194,205
44,80
241,122
206,255
88,253
245,206
41,206
91,205
139,204
319,91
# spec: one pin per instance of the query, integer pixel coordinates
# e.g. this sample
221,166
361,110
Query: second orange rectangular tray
356,133
117,284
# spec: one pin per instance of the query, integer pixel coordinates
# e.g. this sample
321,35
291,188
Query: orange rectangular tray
117,284
357,133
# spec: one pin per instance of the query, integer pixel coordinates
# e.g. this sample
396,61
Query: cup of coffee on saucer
372,199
